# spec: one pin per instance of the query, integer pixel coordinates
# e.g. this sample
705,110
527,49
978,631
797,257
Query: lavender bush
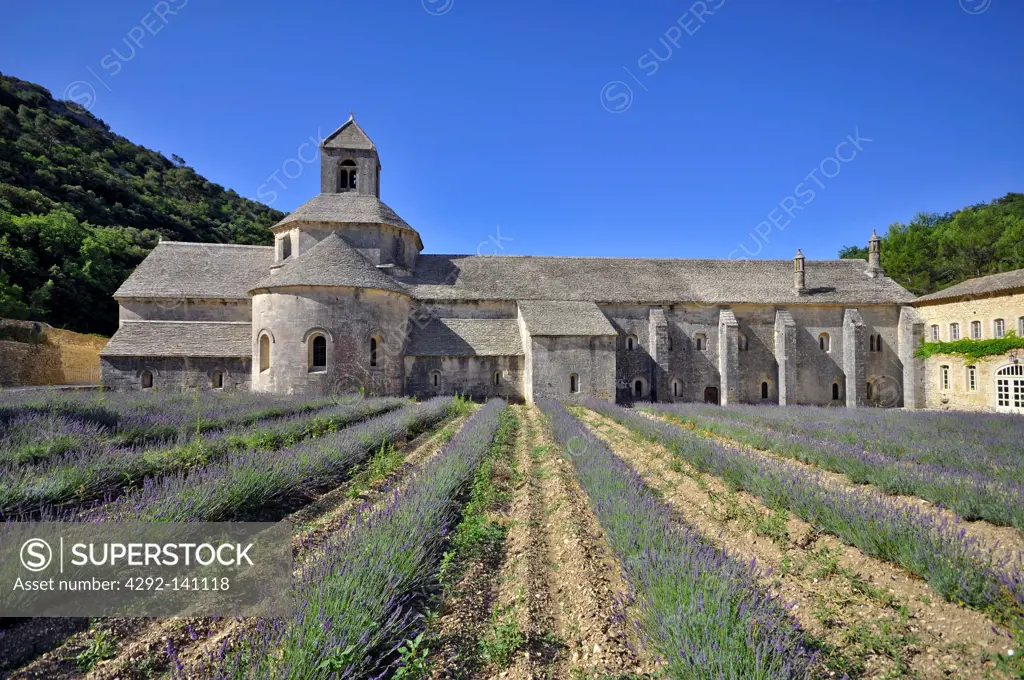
703,611
358,602
938,550
262,486
104,471
990,443
970,494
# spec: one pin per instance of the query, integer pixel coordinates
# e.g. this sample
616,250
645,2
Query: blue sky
723,128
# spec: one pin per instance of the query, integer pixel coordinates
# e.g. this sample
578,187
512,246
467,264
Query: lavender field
449,539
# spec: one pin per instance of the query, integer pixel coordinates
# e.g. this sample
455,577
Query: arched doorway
1010,389
711,395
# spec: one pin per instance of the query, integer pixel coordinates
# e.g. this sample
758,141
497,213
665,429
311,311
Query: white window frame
999,328
972,379
944,377
954,331
975,330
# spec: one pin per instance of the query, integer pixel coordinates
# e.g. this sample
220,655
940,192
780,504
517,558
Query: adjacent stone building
346,299
981,309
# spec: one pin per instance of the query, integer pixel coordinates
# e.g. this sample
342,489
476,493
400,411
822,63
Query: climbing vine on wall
971,349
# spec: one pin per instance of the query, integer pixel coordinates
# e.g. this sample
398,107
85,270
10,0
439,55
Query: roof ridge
239,323
844,261
206,243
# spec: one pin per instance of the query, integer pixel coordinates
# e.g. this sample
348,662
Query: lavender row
980,442
936,549
703,611
972,495
128,419
359,601
103,471
265,486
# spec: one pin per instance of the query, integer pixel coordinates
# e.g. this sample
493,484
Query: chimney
874,256
799,278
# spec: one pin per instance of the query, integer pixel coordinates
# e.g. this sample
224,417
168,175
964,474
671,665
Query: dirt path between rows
873,617
143,643
1007,543
557,583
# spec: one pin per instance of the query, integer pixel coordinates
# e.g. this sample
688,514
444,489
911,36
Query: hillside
934,251
80,207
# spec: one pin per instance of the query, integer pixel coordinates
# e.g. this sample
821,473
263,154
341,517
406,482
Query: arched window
632,342
318,354
574,384
286,246
217,380
347,175
264,353
1010,389
825,342
147,379
998,328
954,331
638,388
373,351
870,390
935,333
872,342
835,391
741,340
677,388
669,342
497,377
878,343
975,330
435,379
700,342
764,390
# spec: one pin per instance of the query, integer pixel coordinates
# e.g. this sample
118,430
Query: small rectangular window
972,379
999,328
976,330
954,331
944,377
935,333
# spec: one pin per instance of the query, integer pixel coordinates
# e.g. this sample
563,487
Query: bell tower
349,162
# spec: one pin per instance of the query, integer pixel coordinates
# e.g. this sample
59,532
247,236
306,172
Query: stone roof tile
331,262
646,280
560,317
181,339
345,208
466,338
198,270
985,285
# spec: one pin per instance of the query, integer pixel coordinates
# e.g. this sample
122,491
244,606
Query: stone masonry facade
346,299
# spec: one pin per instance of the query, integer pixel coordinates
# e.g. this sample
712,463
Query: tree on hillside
934,251
80,207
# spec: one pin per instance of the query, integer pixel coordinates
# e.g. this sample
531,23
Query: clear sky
654,128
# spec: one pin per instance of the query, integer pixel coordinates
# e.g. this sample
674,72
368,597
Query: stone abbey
346,299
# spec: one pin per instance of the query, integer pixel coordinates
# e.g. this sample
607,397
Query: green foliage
933,251
462,406
971,350
80,207
100,648
414,663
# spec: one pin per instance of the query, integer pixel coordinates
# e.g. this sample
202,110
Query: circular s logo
36,554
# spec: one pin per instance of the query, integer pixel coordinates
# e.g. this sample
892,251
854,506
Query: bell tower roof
349,136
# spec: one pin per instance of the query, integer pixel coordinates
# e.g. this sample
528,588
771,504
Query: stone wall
555,359
471,376
958,396
184,310
175,374
348,318
1010,308
32,353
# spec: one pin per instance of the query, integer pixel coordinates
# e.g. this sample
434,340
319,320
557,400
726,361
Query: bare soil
872,618
1006,542
557,583
141,644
